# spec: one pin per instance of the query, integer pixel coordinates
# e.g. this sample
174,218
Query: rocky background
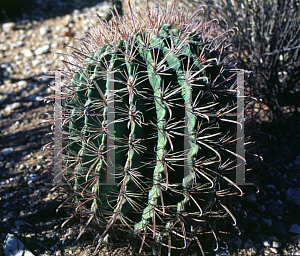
31,34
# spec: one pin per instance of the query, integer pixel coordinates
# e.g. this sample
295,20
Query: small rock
221,252
293,195
54,45
32,138
237,242
272,238
31,97
251,198
295,229
5,205
53,248
267,221
19,223
11,180
13,106
297,161
7,151
39,98
22,83
9,26
28,53
252,250
49,62
35,62
248,244
276,244
42,50
271,186
44,30
274,250
265,251
267,243
296,239
13,246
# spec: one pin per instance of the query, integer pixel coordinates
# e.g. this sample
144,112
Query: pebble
39,98
293,195
9,26
28,53
221,252
31,97
267,221
13,246
297,161
274,250
296,238
276,244
248,244
295,229
44,30
13,106
42,50
267,243
271,186
22,83
53,248
35,62
19,223
251,198
5,205
237,241
49,62
7,151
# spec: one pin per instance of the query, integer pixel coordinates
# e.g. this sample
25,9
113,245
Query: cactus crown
145,97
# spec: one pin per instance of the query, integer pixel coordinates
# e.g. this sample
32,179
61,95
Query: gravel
28,206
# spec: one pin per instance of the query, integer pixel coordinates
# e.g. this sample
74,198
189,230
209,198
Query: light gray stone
28,53
267,243
14,247
9,26
44,30
42,50
7,151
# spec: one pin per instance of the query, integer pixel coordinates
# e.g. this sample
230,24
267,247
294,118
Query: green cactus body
163,77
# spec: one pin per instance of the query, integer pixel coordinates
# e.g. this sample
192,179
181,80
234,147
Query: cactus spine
156,85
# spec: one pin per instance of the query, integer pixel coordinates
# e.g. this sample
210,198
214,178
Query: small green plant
145,103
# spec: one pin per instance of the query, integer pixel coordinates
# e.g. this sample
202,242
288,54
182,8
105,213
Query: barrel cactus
147,146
